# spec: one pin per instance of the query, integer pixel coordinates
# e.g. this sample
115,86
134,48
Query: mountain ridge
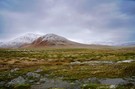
50,40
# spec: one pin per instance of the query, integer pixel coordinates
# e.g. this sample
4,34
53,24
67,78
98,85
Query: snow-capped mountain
51,40
17,42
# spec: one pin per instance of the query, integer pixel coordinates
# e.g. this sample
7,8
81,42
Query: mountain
1,44
52,40
127,44
27,38
124,44
35,40
106,43
20,41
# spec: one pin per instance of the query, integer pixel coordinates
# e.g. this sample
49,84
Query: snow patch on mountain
17,42
27,38
53,37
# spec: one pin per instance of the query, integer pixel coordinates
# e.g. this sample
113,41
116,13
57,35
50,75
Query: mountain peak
52,37
26,38
51,40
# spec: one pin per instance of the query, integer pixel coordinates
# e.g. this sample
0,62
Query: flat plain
67,68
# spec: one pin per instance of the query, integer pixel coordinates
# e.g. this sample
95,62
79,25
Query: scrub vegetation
68,64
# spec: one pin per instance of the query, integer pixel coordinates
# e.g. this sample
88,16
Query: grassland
59,63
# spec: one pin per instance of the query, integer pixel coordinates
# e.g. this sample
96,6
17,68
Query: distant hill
128,44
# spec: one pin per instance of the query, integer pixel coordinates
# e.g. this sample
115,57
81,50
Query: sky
86,21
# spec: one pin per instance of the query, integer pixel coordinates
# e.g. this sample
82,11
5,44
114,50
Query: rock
42,59
14,70
38,83
94,80
42,80
32,74
20,80
31,81
75,63
51,83
2,83
112,86
9,75
38,70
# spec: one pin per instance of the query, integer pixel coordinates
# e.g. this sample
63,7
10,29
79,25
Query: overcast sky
80,20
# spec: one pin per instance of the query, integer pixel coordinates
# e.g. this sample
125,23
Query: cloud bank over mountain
80,20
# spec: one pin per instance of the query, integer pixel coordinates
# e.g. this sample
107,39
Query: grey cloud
80,20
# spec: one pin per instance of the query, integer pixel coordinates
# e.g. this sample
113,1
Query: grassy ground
57,62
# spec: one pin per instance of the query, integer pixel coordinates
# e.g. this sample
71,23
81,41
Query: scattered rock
9,75
19,80
2,83
38,70
14,70
31,81
32,74
113,81
56,84
38,83
94,80
112,86
42,80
